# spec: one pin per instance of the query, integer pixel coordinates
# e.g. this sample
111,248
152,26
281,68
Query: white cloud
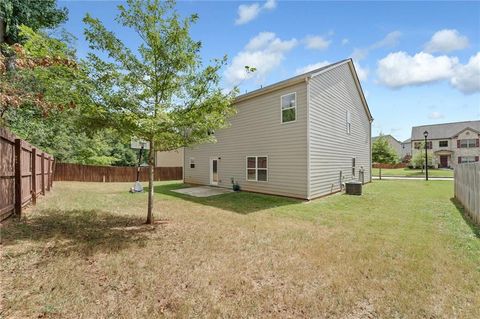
400,69
316,42
345,41
361,71
467,77
311,67
264,52
446,40
436,116
359,54
390,40
247,13
270,4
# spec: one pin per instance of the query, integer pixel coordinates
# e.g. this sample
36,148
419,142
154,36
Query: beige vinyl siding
256,130
332,94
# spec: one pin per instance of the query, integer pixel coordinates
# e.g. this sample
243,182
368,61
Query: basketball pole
139,162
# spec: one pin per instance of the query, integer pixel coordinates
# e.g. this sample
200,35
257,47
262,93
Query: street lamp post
425,134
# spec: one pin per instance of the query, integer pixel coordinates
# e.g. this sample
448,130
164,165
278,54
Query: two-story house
301,137
406,149
395,144
449,144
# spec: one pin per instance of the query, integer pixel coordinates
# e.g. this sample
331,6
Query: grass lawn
401,250
412,172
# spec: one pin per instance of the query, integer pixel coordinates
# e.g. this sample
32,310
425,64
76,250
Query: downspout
307,80
370,142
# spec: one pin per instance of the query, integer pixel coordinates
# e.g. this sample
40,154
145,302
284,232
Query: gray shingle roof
387,135
445,130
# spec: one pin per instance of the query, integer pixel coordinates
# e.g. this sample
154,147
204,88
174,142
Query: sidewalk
413,178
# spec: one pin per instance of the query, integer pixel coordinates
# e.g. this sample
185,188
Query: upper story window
467,143
192,162
289,107
257,168
348,122
443,143
421,145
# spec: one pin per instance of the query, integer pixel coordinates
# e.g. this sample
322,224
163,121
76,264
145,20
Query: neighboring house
393,142
450,143
406,148
170,158
302,137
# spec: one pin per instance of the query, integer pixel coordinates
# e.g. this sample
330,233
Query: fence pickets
467,189
93,173
25,173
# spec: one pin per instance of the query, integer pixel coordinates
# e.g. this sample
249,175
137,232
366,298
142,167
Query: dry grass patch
84,253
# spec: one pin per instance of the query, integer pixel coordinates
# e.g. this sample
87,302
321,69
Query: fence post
43,173
34,176
48,173
54,164
18,177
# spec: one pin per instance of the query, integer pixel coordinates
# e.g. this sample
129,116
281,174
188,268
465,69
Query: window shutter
458,143
476,158
478,142
459,160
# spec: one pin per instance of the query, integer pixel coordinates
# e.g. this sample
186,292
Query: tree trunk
151,164
380,174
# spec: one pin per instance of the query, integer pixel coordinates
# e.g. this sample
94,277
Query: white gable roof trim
304,78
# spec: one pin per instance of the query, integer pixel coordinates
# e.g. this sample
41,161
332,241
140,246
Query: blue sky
419,62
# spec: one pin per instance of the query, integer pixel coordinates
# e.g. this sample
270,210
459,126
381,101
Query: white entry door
214,171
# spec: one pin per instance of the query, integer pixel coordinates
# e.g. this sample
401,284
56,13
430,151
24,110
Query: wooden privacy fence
91,173
467,188
25,173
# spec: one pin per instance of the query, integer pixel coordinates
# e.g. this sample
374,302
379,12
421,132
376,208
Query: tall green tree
36,14
418,160
60,135
383,153
160,92
41,73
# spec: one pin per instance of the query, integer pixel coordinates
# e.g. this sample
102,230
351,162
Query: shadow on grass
240,202
81,231
475,228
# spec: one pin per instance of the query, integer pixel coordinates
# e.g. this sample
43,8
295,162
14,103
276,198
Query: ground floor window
467,159
257,168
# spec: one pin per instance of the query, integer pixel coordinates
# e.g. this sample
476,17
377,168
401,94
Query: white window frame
256,168
281,109
441,142
469,161
190,162
468,144
348,122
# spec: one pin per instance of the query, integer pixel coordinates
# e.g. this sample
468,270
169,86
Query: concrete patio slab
203,191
